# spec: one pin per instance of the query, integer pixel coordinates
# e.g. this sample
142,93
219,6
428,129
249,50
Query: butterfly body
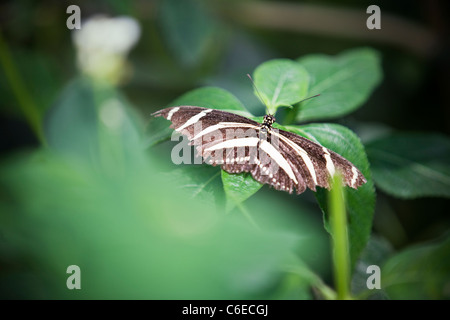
282,159
267,122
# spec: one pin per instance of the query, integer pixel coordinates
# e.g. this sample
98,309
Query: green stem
18,87
338,222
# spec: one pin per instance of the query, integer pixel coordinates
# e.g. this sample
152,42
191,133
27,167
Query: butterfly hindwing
326,162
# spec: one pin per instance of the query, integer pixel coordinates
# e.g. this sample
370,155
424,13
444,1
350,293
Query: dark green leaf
360,203
376,253
281,82
410,165
344,83
420,272
188,30
40,77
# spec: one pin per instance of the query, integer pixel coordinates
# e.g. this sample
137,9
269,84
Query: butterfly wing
291,162
191,121
207,128
317,163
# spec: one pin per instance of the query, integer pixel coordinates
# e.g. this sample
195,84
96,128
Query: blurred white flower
102,46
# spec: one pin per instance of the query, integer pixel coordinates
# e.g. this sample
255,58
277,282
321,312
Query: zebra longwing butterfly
273,156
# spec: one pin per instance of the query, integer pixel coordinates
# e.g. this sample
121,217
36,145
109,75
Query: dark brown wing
318,163
190,119
260,162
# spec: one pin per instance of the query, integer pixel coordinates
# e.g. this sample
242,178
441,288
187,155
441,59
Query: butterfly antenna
259,94
309,98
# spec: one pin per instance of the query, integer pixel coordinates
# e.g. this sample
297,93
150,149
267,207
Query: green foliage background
79,189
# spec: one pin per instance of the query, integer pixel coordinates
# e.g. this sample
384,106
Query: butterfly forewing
279,158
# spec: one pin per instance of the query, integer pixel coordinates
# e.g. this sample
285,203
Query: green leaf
281,82
200,182
277,212
157,131
91,121
360,203
74,107
344,83
239,187
419,272
211,97
410,165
